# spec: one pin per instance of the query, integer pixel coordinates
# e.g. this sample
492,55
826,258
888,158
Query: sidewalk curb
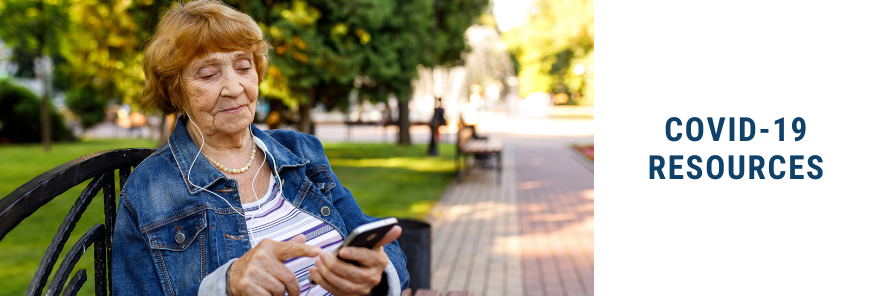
582,159
443,202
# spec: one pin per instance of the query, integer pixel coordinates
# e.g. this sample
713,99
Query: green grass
389,180
386,180
22,248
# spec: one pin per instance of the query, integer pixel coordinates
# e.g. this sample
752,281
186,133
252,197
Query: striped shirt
274,218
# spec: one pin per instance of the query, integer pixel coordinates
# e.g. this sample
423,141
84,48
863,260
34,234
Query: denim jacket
170,234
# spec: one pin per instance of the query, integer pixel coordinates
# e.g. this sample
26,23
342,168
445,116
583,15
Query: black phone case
367,240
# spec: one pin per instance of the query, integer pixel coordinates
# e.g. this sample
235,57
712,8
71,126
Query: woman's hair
189,31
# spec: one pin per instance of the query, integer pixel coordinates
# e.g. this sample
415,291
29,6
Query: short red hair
189,31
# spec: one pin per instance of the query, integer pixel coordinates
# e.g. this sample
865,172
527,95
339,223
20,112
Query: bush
87,105
20,116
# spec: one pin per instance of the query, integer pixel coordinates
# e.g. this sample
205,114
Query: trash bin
416,242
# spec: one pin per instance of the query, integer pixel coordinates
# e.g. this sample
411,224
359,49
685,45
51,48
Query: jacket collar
203,174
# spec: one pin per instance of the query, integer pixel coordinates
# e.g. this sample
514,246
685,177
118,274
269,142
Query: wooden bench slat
482,147
425,292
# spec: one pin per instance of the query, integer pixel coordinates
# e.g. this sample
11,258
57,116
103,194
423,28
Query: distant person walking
437,121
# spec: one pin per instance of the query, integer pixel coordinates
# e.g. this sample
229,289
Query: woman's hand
261,270
344,279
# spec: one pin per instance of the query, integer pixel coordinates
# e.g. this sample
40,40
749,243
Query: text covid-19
733,166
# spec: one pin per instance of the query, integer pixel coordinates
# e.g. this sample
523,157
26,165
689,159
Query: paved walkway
531,235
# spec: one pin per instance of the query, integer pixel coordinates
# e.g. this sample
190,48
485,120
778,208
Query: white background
827,62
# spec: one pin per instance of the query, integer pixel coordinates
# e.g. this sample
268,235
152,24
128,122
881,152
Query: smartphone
367,236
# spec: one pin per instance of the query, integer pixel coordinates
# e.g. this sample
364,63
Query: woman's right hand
261,270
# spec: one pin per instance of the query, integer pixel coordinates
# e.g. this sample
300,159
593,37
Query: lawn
386,180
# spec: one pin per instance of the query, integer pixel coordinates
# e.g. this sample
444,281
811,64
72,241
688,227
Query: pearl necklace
234,171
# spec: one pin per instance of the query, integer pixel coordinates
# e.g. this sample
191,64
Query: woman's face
222,90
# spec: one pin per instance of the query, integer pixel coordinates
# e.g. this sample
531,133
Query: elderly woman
225,208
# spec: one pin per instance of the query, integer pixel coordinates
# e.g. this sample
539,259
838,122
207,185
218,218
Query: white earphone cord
256,197
274,165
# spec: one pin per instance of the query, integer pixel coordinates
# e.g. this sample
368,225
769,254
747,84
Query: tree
398,46
555,48
103,55
317,49
420,32
31,27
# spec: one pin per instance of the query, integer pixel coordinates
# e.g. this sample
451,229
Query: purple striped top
274,218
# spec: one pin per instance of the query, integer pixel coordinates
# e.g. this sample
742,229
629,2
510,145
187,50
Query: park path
531,235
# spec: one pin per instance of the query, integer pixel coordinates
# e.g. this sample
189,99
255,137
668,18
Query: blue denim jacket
158,202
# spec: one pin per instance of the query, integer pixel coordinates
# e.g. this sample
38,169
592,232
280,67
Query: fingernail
316,249
344,252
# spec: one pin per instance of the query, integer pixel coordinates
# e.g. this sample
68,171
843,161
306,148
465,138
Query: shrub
87,105
20,116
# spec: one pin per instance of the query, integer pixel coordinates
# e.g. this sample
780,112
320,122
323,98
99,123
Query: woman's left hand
342,278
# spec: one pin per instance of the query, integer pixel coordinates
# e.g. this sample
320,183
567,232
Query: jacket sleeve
346,204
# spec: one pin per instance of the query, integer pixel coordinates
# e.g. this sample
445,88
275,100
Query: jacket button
180,238
325,211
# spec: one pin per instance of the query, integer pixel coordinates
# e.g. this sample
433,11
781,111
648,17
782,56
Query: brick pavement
531,235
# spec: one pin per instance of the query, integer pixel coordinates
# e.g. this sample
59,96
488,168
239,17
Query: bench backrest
463,136
25,200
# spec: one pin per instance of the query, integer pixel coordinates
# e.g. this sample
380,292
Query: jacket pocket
178,234
179,247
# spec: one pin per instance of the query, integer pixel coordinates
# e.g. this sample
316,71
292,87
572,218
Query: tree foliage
315,42
319,47
31,28
96,45
453,18
402,42
557,38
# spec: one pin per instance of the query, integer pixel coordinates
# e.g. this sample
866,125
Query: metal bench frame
25,200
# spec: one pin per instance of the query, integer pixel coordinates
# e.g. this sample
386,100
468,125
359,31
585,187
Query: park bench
470,145
100,168
25,200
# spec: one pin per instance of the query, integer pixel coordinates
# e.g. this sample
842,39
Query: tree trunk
166,128
276,114
404,121
45,126
45,123
305,113
387,118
